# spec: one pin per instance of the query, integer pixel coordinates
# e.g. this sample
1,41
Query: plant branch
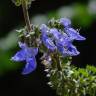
26,15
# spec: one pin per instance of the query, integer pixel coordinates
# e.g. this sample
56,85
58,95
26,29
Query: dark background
35,84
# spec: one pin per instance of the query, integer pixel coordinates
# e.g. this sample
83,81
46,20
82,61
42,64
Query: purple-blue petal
73,34
22,45
43,29
60,48
63,40
63,51
19,56
31,51
72,51
55,33
30,66
48,42
65,22
35,51
68,50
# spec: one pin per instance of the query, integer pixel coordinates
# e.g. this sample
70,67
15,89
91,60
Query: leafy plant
55,41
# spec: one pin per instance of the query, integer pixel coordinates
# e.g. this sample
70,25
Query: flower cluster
61,40
26,54
56,39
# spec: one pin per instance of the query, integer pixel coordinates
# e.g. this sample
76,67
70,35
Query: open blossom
65,22
63,43
72,33
47,41
26,54
54,38
67,50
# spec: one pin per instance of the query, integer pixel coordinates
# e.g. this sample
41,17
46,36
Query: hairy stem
26,15
58,62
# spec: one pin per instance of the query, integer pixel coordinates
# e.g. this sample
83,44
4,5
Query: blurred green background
83,16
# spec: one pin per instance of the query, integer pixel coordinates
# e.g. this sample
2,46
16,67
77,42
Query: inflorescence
54,40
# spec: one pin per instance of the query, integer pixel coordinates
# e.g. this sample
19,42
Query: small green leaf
17,2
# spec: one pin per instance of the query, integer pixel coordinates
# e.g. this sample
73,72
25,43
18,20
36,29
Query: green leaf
17,2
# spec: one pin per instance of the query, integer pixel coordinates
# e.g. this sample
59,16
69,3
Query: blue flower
55,33
26,54
67,50
44,29
65,22
63,43
61,40
47,41
73,34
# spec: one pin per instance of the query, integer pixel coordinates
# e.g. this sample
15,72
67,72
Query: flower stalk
26,15
58,62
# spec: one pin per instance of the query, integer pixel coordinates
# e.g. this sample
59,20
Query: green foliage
17,2
82,15
7,48
6,64
73,81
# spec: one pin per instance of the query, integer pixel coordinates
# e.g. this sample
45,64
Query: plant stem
58,62
26,15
